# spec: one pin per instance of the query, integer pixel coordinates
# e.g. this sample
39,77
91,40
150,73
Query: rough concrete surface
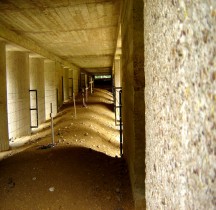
133,96
180,50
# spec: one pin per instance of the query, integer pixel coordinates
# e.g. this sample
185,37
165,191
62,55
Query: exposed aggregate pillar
180,73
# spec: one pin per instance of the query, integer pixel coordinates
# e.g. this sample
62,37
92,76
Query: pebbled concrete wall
180,97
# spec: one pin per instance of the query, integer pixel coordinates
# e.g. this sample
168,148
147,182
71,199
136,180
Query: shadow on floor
64,178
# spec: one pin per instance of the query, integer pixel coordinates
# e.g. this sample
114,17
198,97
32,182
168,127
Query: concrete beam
30,45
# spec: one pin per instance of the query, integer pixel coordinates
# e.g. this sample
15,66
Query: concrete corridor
82,172
160,53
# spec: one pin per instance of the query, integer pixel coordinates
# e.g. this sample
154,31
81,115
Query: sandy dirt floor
82,172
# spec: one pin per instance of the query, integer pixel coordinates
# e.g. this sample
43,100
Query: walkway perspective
82,172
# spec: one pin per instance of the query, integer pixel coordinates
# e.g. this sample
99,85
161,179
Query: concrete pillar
113,75
82,80
50,88
121,70
76,77
18,93
180,89
117,72
4,140
70,81
66,83
117,82
36,70
91,84
133,96
59,84
86,80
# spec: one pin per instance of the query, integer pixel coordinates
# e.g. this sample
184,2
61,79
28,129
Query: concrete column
91,84
133,96
70,81
76,77
82,80
121,70
86,80
50,88
117,72
66,83
59,84
117,82
36,70
4,141
113,75
18,93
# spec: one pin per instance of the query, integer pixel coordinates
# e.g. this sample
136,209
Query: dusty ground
82,172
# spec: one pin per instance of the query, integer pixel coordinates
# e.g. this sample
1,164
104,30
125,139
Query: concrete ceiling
83,32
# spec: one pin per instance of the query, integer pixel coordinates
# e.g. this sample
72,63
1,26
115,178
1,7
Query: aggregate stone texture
180,96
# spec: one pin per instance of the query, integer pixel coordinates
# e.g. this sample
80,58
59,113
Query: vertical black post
120,116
